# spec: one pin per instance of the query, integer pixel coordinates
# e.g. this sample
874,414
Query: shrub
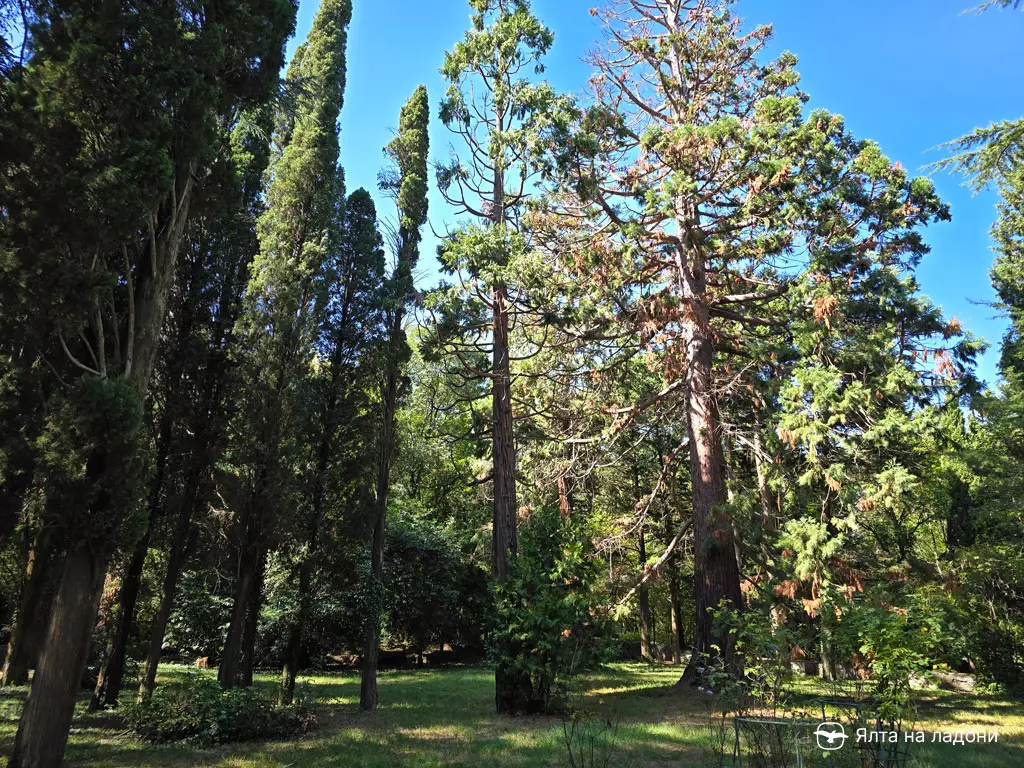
197,710
547,623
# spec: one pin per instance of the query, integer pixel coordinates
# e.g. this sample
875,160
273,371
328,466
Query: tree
712,219
118,110
499,116
279,321
338,403
407,182
199,379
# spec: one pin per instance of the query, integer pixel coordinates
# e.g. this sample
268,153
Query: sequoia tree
712,217
499,115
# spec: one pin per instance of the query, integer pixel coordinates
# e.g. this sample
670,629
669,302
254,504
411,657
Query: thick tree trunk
42,732
245,587
513,689
23,647
716,572
503,545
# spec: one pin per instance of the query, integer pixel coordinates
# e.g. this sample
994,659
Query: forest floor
445,717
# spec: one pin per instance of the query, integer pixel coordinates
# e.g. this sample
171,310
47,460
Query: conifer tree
115,114
278,326
499,115
340,415
713,219
406,180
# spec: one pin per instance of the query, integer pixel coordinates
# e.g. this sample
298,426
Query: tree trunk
252,623
108,685
716,572
643,598
503,543
677,617
513,690
293,653
43,730
231,660
175,562
672,571
368,698
23,647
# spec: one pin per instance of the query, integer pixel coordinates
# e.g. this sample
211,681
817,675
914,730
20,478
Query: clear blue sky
910,74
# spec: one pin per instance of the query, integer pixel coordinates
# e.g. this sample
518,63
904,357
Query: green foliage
896,640
92,462
547,621
197,710
432,593
196,628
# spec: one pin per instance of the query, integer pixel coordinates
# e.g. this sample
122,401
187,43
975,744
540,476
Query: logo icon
830,736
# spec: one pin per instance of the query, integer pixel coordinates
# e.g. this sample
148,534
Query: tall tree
220,248
279,323
407,182
704,197
498,115
341,416
120,105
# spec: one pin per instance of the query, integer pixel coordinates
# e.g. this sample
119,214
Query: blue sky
910,74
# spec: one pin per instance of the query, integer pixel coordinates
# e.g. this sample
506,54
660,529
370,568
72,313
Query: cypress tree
279,322
408,183
116,109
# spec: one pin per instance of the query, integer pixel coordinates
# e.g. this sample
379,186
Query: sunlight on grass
445,717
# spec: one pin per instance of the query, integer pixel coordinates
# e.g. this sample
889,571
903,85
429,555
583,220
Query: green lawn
445,717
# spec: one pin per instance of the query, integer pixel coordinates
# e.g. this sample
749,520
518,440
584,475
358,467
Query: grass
445,718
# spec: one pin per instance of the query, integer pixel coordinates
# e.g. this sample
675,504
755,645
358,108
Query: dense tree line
677,388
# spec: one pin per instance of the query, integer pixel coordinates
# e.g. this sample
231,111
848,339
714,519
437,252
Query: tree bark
108,685
513,690
504,523
22,648
293,652
368,697
175,562
252,621
716,572
42,732
643,598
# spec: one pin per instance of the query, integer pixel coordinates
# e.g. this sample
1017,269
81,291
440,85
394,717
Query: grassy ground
445,717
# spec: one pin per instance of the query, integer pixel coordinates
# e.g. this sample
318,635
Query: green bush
197,710
547,624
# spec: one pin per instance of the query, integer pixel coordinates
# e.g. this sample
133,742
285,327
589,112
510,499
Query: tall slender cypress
408,183
279,321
